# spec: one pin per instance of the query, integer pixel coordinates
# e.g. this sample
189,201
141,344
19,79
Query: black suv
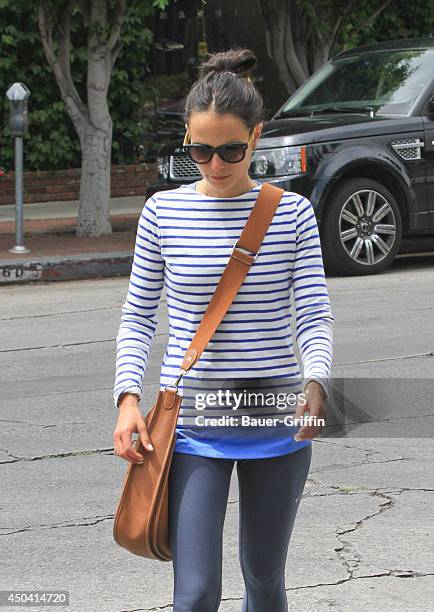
357,139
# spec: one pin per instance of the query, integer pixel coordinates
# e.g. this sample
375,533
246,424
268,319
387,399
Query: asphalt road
364,530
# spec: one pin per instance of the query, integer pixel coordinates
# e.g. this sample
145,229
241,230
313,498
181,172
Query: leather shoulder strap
236,269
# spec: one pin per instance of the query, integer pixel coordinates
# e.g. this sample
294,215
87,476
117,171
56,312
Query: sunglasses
202,154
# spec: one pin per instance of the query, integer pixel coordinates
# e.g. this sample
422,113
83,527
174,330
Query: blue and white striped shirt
184,241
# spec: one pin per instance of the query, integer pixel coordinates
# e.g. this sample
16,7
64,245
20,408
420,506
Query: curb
83,266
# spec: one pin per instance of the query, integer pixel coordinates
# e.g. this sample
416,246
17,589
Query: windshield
388,81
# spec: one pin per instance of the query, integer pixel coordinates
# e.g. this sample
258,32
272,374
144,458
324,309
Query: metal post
17,95
19,200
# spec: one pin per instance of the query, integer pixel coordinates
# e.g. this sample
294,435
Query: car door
428,120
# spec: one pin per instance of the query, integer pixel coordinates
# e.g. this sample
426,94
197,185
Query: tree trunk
92,121
94,213
296,42
277,16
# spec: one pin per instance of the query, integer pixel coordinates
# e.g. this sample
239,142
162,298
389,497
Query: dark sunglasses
203,154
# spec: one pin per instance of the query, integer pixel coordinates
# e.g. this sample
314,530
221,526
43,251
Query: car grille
181,168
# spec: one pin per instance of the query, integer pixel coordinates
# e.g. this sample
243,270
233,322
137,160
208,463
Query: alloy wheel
367,227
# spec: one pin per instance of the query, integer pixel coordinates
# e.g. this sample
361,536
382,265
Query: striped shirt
183,243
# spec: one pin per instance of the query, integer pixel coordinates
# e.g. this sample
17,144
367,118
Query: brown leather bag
141,523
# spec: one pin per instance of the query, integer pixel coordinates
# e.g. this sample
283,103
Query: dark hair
222,92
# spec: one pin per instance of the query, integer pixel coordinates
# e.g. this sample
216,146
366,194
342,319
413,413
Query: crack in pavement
346,551
368,454
50,346
319,440
89,521
65,392
16,458
359,463
61,424
107,451
365,492
146,386
362,490
43,425
163,607
22,422
373,492
57,314
409,573
397,358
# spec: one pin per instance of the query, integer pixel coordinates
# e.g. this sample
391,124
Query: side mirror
431,102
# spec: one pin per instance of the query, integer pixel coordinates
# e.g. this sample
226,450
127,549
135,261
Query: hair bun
245,65
237,60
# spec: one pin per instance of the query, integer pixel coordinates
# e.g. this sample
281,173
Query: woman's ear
187,138
258,131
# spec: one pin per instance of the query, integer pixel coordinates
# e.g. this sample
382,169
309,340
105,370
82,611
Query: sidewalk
57,253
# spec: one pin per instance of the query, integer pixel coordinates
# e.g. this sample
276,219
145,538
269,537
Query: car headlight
163,166
282,161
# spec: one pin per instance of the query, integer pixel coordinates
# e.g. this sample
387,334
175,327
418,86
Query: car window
389,81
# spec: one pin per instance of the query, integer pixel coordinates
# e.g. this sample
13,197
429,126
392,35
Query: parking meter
18,95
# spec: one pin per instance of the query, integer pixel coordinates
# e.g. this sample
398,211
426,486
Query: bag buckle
245,251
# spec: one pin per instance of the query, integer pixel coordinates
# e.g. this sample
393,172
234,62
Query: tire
352,242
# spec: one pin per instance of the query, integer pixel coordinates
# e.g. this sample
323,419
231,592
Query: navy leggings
270,490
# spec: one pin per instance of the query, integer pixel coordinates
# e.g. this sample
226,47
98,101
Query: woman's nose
216,162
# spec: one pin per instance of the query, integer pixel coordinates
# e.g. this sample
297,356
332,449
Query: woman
184,239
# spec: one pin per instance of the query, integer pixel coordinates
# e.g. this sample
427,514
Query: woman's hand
315,406
130,420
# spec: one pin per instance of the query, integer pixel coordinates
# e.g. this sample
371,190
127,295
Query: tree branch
118,17
339,20
46,31
297,70
315,14
301,41
64,40
85,10
98,64
60,64
363,24
116,50
98,12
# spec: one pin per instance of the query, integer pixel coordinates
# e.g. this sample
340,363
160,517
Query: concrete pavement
362,540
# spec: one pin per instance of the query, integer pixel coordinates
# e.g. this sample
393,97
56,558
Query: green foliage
129,90
361,25
22,59
52,142
401,19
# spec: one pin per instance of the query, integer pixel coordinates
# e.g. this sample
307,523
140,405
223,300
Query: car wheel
361,228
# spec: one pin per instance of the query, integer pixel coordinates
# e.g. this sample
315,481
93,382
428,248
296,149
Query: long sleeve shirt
183,243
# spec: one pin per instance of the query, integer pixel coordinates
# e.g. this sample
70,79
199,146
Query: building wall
62,185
